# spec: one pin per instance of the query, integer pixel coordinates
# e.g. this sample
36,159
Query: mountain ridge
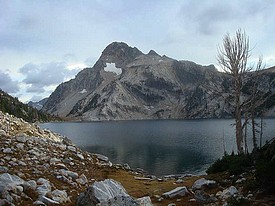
149,86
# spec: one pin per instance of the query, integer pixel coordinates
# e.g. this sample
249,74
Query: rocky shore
39,167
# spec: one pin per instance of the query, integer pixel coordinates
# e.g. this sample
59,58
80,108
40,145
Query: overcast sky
44,43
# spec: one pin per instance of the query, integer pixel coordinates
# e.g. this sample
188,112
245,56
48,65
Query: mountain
127,84
38,105
13,106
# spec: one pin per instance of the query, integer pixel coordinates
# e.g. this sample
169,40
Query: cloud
7,84
40,76
36,98
208,17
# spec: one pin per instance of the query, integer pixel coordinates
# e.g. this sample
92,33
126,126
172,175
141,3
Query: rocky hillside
11,105
38,105
39,167
127,84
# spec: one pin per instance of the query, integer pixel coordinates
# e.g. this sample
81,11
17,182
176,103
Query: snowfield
83,91
111,67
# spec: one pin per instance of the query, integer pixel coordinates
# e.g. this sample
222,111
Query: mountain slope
38,105
13,106
127,84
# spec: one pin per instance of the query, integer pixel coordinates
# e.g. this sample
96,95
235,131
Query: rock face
127,84
38,105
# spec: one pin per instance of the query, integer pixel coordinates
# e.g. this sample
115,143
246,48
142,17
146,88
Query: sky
44,43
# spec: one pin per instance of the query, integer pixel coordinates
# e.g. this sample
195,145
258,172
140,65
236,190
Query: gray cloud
208,17
35,89
7,84
36,98
39,76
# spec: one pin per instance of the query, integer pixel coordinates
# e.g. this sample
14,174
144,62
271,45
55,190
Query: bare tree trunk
253,128
261,132
238,115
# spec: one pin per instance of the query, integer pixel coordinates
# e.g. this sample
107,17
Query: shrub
234,164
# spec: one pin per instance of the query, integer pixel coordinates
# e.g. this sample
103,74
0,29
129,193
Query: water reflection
159,147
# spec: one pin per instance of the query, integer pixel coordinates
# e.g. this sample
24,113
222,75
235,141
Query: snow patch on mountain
83,91
111,67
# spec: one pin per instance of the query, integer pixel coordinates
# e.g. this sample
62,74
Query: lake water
159,147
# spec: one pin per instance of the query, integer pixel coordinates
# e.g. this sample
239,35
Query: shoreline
40,165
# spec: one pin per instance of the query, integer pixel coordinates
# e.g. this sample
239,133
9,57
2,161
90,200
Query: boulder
60,196
203,197
68,173
107,192
47,201
144,201
80,156
43,187
229,192
21,139
7,150
203,183
101,157
179,191
71,148
10,181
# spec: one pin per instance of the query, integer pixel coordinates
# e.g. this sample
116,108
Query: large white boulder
107,192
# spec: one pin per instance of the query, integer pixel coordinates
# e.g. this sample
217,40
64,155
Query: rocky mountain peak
127,84
153,53
119,53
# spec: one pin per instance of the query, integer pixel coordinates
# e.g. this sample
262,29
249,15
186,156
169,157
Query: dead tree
232,57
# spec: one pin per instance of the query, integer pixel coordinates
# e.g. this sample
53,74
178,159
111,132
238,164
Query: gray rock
22,163
19,190
34,152
3,169
203,183
2,132
179,181
39,203
126,166
20,146
71,148
10,181
179,191
7,150
241,180
107,192
80,156
102,157
60,196
43,187
32,184
229,192
68,173
47,200
54,160
144,201
21,139
63,179
82,180
203,197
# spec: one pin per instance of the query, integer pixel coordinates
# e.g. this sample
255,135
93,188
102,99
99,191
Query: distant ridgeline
11,105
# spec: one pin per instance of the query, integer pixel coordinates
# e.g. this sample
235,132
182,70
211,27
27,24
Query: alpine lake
160,147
